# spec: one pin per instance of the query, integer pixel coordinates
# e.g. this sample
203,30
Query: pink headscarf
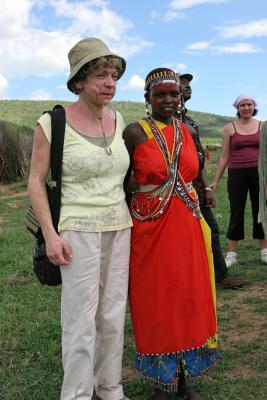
244,96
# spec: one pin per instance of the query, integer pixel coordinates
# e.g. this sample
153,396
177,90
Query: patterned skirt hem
166,387
173,387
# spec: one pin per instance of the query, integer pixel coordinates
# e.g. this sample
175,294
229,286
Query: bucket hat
88,50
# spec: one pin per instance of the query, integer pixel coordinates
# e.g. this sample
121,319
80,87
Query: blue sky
223,43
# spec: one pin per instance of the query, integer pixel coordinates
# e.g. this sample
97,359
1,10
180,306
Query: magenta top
244,149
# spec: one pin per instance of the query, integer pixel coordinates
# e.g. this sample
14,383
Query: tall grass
15,152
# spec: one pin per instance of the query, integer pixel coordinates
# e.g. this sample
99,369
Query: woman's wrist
207,189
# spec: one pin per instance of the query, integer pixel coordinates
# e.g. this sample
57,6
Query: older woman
94,226
240,152
171,290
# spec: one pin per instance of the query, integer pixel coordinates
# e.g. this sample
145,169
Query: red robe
171,298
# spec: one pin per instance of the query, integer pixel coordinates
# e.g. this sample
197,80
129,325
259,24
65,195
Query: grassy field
30,356
24,113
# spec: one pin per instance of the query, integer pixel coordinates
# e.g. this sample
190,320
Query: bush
15,153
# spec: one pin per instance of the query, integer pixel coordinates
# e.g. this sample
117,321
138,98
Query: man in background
206,200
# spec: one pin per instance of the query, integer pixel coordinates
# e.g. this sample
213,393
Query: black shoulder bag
46,272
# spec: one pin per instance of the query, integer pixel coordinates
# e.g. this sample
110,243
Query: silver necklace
107,147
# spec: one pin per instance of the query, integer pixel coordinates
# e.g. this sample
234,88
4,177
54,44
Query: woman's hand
57,250
209,199
214,186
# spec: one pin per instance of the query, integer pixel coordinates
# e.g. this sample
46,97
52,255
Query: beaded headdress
156,76
161,76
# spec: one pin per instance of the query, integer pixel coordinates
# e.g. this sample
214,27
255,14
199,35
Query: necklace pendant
108,150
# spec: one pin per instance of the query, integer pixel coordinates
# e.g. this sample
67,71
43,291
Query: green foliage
25,113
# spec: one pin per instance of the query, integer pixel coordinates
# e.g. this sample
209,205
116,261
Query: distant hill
24,113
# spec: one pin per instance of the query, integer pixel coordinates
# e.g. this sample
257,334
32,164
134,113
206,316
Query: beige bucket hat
87,50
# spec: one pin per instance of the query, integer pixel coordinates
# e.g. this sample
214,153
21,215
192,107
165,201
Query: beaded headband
166,76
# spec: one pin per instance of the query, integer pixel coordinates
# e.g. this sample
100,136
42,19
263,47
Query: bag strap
58,124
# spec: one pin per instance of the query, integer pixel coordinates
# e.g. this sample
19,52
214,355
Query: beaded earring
179,111
147,108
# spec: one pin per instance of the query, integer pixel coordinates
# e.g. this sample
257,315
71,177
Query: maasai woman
172,296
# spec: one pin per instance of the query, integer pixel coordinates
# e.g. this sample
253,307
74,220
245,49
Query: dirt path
17,194
7,192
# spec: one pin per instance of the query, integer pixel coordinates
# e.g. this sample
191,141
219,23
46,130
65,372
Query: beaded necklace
174,183
181,190
165,190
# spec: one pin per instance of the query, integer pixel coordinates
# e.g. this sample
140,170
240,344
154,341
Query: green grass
24,113
30,366
30,355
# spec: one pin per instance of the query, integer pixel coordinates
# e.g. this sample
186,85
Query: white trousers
93,304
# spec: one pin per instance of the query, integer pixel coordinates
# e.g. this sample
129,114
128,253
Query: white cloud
198,46
155,14
246,30
3,86
168,16
180,67
14,17
182,4
36,53
87,20
135,82
39,94
27,50
131,47
237,48
173,15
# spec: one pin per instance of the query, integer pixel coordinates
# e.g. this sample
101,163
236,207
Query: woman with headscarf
94,242
172,297
240,152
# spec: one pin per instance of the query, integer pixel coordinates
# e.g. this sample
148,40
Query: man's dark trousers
220,267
